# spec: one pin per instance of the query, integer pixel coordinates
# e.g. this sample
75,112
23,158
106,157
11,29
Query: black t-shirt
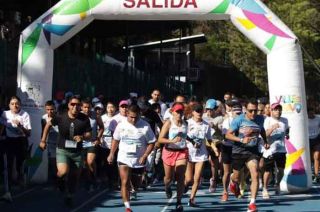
81,125
152,118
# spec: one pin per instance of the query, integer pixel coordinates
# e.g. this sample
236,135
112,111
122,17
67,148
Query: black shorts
226,154
277,158
92,149
315,144
240,160
134,171
211,152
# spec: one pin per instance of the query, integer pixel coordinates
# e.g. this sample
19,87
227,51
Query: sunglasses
199,111
251,111
124,106
74,104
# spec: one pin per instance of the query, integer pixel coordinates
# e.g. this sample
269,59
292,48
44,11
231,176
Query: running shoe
224,197
128,210
179,207
213,185
234,188
168,192
315,179
191,203
265,194
7,197
252,207
133,195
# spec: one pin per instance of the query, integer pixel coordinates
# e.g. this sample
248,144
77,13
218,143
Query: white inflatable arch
251,17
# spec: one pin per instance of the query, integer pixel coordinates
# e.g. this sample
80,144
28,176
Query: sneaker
192,203
234,188
252,207
168,192
212,186
128,210
265,194
315,179
224,197
133,195
179,207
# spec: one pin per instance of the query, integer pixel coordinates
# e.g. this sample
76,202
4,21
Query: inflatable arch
251,17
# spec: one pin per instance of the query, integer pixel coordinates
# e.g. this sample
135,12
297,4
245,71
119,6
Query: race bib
71,144
132,148
87,144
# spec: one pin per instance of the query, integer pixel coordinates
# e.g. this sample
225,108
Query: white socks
252,200
127,204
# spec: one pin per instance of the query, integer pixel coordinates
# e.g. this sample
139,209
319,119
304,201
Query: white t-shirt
134,140
162,105
107,134
277,137
12,129
314,127
167,115
115,121
225,126
198,131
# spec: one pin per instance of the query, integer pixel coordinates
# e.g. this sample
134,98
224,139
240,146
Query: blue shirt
243,127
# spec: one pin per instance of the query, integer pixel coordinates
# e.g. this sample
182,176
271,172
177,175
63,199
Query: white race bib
132,148
71,144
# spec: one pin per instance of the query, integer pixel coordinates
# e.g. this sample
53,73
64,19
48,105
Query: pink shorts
169,157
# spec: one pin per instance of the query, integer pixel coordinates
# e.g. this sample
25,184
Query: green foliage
228,46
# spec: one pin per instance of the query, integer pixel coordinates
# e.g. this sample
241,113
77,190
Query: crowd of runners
139,141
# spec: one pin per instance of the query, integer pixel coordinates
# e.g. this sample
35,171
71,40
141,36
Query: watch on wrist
241,140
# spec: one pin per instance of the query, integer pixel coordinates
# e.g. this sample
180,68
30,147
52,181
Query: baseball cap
123,102
232,102
274,105
68,94
133,95
211,104
177,107
98,105
237,108
95,100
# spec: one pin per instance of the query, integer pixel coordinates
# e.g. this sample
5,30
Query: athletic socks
252,200
127,204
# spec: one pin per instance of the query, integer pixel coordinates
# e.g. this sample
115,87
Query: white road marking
90,200
168,203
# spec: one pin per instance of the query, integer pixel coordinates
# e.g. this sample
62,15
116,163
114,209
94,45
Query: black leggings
16,148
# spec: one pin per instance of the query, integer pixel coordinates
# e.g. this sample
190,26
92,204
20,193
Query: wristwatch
241,140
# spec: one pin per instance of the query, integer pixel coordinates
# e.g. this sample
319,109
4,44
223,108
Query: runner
52,137
213,117
179,99
245,131
74,127
18,129
175,152
135,140
90,147
156,98
226,150
107,169
276,130
199,132
314,139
